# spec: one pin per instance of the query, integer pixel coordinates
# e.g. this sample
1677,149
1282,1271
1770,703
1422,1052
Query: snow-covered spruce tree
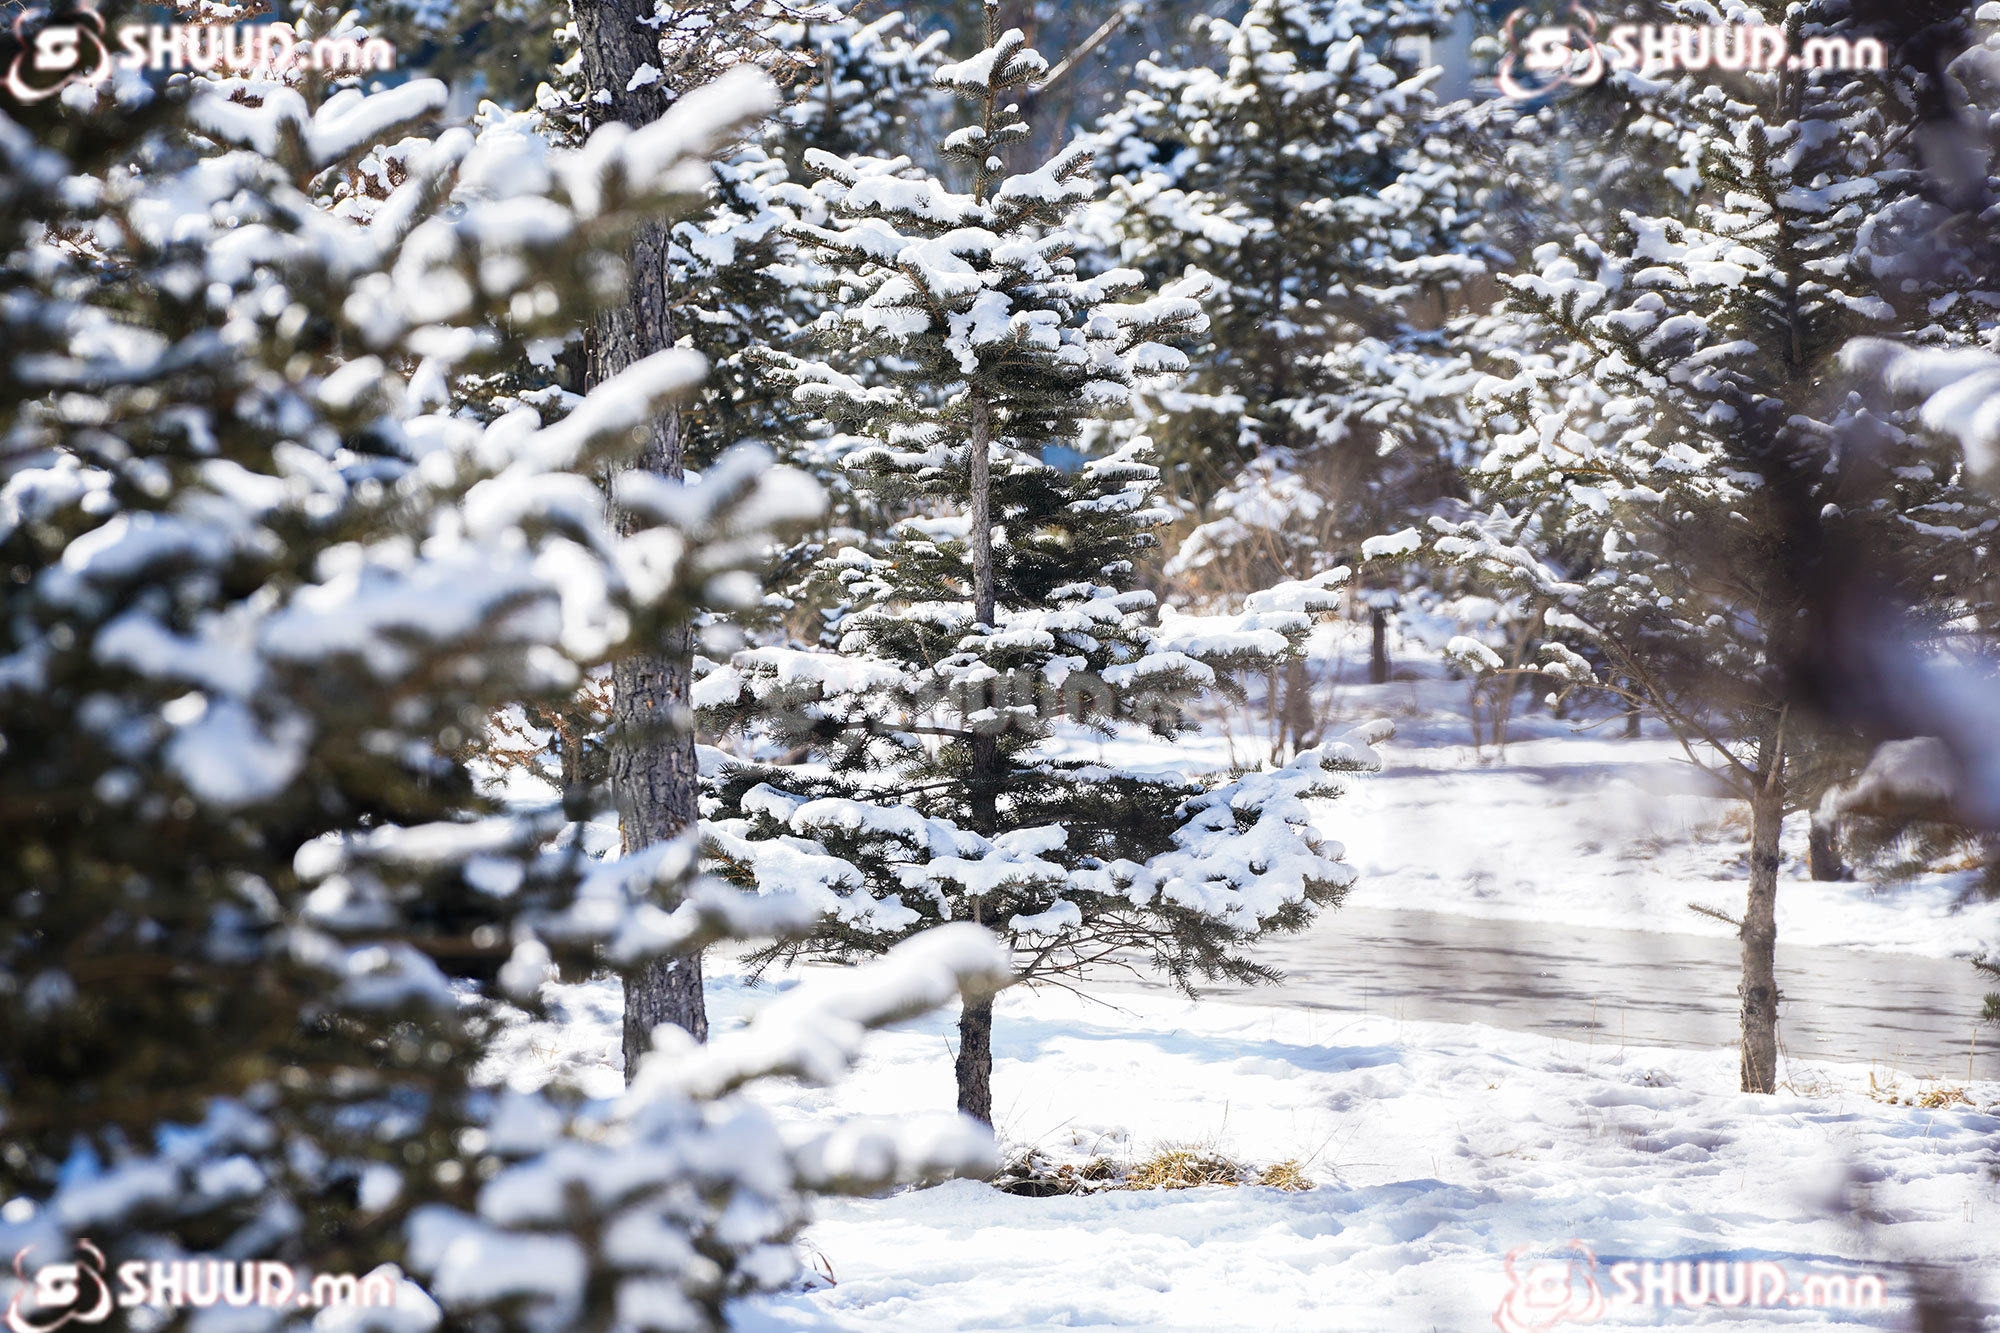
1691,514
1309,175
940,790
258,925
866,86
1308,169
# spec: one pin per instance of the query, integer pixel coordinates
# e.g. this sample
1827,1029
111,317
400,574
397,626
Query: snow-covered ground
1435,1151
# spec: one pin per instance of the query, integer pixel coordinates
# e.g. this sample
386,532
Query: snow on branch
1958,392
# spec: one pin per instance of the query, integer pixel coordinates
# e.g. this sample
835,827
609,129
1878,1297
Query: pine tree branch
1717,913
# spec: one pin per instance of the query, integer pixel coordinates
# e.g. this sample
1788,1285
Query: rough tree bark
1378,647
1759,933
975,1023
975,1059
652,746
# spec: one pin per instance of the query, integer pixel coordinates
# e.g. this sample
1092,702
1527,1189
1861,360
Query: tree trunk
1378,648
1823,852
1503,691
654,777
982,790
979,469
1507,686
975,1023
975,1059
1759,933
652,740
1632,732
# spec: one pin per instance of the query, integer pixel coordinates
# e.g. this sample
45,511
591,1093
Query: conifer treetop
1007,62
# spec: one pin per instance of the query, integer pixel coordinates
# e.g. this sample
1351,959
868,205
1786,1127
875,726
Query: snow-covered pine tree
1307,169
1691,511
1309,174
732,275
736,291
740,283
1947,373
260,927
994,627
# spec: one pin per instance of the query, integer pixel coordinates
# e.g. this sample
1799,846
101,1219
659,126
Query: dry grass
1099,1169
1935,1098
1973,857
1287,1175
1173,1167
1185,1168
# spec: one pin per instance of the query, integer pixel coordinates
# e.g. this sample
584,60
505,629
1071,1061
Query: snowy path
1545,889
1609,987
